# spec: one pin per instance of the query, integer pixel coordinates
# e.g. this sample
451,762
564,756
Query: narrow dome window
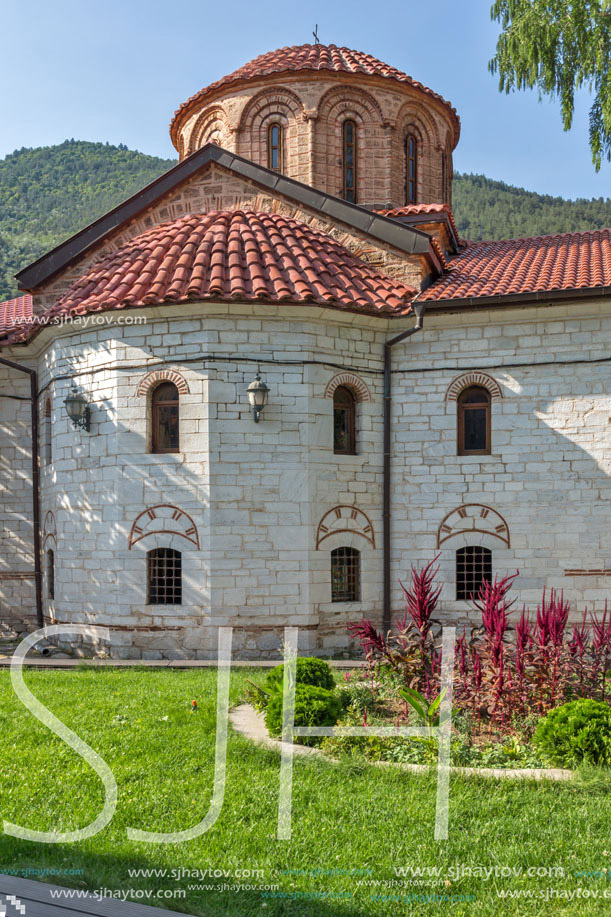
411,169
349,164
165,418
275,147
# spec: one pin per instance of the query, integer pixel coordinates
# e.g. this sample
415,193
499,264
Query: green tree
559,46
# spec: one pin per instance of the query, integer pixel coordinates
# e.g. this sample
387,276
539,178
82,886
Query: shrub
578,732
314,706
310,671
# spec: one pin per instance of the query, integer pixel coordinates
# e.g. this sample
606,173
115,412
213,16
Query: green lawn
344,817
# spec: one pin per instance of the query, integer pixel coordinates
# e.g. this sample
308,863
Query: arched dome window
275,147
165,418
411,169
349,161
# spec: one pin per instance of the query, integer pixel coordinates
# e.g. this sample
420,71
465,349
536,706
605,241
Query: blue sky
116,71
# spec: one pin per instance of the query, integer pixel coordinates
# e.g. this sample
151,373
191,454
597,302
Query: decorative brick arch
474,518
210,121
415,116
49,531
351,381
344,519
163,519
163,375
277,98
473,378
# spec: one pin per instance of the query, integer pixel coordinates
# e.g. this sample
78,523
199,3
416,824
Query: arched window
349,155
165,418
50,575
164,577
48,444
344,421
444,176
275,147
345,575
473,419
473,566
411,169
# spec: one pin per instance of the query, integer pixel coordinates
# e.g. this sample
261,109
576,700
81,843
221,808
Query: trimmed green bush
576,733
314,706
310,671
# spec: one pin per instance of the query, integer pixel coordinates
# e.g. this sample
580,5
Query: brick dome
312,58
307,93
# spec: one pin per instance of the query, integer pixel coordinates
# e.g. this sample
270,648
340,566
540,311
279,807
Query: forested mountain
48,193
487,209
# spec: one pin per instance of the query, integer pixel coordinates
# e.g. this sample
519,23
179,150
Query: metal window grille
345,575
344,422
164,577
473,566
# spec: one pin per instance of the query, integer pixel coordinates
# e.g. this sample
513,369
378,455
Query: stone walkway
26,898
251,724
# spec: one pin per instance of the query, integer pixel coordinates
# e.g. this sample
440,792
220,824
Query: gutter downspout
386,611
33,399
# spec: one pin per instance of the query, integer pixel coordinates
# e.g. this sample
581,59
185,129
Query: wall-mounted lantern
77,409
257,396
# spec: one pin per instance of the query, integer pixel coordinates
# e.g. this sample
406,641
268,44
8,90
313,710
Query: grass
345,817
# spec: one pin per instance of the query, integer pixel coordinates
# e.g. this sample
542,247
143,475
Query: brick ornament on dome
544,264
231,256
313,58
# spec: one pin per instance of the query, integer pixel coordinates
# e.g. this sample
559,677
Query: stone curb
251,724
52,663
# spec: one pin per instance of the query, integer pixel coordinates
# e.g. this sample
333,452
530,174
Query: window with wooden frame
473,566
48,427
349,161
344,421
474,421
165,418
345,575
411,169
164,577
275,147
50,575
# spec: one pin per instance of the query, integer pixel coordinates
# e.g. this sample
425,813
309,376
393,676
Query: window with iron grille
473,566
48,444
344,421
275,147
474,421
165,418
349,154
164,577
411,169
345,575
50,575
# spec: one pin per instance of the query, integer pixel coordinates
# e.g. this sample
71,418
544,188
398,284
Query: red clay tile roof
416,210
231,255
567,261
313,58
15,312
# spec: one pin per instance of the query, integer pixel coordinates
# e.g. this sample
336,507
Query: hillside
48,193
487,209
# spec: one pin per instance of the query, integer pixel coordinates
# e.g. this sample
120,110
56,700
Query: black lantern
257,396
77,409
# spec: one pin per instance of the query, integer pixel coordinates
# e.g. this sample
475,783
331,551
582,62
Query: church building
262,388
